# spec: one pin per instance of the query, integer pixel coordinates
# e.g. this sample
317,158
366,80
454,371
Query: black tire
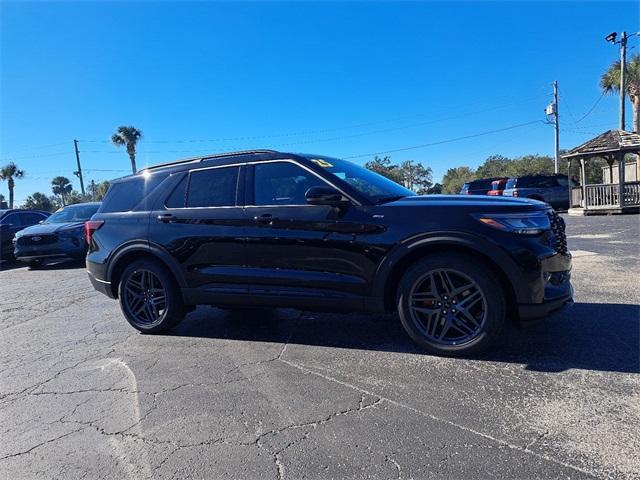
159,316
484,305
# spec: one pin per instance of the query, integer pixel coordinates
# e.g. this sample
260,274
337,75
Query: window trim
251,185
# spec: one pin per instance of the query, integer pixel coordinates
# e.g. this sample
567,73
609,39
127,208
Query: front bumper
558,295
55,250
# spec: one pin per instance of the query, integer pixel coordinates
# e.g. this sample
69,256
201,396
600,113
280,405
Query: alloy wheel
448,307
145,297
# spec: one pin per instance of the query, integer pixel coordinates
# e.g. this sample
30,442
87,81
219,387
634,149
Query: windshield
370,184
73,213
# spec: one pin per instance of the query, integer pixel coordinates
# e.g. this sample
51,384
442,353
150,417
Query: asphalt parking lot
306,395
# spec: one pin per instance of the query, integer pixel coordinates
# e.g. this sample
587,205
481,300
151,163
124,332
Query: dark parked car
273,229
477,187
59,236
12,221
552,189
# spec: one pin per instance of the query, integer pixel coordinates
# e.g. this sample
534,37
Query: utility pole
623,68
93,190
552,110
556,126
78,173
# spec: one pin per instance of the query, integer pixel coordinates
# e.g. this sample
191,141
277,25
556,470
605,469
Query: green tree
3,202
97,191
10,172
128,137
416,176
384,167
62,187
493,166
530,165
454,178
39,201
610,83
77,197
436,189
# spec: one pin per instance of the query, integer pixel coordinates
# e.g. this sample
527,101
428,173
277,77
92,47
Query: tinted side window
12,219
124,196
215,187
31,218
283,183
177,197
526,182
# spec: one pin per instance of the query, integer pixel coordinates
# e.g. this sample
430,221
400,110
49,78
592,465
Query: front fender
480,246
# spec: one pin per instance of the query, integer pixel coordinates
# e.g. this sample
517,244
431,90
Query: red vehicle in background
498,186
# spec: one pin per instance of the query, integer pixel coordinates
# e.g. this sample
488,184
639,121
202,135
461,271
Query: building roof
609,142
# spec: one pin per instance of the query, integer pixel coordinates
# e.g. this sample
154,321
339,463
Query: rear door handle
265,219
166,217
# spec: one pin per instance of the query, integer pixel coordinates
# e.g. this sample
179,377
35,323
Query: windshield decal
321,163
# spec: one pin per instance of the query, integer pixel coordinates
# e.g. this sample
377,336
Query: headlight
522,223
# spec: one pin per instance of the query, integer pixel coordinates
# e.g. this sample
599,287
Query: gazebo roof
609,142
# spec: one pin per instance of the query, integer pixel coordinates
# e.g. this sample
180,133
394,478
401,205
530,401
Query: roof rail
209,157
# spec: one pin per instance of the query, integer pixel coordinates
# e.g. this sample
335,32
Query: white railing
606,195
576,197
602,195
631,193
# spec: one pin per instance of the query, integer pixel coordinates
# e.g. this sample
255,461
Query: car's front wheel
451,304
149,297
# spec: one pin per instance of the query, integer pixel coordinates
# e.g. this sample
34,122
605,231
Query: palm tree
61,186
610,83
128,136
9,173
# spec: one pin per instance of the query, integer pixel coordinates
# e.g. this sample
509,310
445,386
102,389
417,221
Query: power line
450,140
591,109
329,130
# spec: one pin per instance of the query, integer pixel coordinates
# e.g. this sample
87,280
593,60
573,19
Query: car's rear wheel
149,297
451,304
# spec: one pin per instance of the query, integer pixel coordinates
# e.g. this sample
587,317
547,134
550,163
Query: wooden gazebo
612,197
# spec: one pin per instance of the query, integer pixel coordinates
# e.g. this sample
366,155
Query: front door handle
166,217
265,219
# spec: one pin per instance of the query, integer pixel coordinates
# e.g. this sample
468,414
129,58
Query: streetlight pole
623,68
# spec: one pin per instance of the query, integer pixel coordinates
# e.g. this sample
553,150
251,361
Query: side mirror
325,196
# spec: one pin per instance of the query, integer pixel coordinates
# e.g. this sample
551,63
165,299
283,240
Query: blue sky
342,79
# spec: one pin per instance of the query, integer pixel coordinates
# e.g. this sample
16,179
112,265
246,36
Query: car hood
47,229
469,201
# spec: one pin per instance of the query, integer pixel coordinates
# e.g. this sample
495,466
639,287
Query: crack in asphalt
442,420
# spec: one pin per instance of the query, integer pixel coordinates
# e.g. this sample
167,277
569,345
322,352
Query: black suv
265,228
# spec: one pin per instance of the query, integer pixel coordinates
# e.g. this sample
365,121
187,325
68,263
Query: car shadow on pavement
61,265
10,265
590,336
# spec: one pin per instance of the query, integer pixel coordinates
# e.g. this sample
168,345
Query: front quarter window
371,185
